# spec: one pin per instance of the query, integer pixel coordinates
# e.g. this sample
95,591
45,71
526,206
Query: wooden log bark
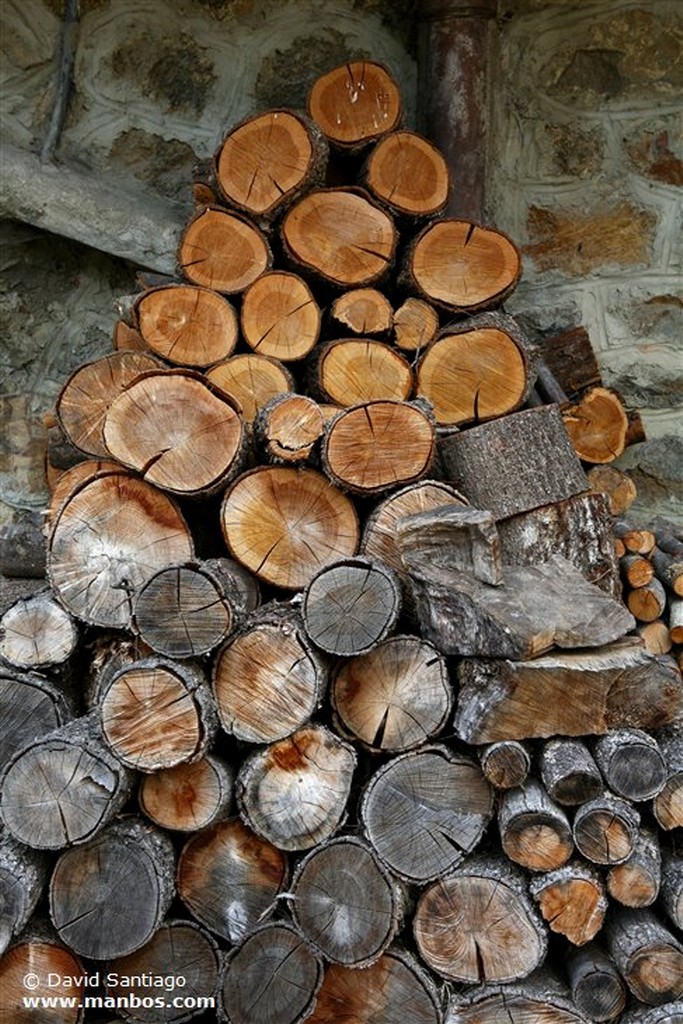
597,426
42,958
671,891
394,698
425,810
23,876
454,538
188,797
109,896
569,771
273,976
636,882
288,429
655,636
284,524
186,324
280,317
82,787
31,706
636,570
572,900
269,679
478,925
597,987
647,603
620,685
534,831
179,949
505,764
669,569
631,763
37,632
408,174
350,371
571,358
667,805
515,463
294,792
540,997
606,829
346,904
223,251
351,606
415,323
675,620
229,858
363,311
356,103
157,713
252,380
649,957
669,1013
394,987
110,537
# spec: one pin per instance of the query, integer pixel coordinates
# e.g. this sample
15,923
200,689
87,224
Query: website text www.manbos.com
112,1000
129,1002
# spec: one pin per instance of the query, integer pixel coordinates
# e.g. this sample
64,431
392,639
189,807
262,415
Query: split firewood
461,267
394,698
597,426
363,311
505,764
667,805
569,771
23,876
268,679
640,542
636,882
462,924
534,831
109,896
228,857
267,160
425,810
176,429
188,797
631,763
454,538
606,829
273,975
251,380
37,632
676,621
538,997
280,317
83,787
572,900
127,338
356,103
45,958
416,323
288,429
649,957
341,236
408,174
31,706
283,524
346,904
655,636
647,603
187,325
294,792
350,371
617,485
669,1013
223,251
598,989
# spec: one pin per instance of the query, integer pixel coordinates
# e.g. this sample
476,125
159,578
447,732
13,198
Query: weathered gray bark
572,899
569,772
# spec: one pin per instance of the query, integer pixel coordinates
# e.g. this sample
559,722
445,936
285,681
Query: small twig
64,79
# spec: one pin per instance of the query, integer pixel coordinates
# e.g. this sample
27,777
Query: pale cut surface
188,325
357,370
184,797
222,251
409,174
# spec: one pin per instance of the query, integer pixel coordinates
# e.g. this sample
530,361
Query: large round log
631,763
408,174
223,251
280,317
188,797
187,325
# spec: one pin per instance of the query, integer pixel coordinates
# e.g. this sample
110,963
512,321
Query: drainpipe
453,46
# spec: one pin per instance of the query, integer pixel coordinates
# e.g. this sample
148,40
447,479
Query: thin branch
64,79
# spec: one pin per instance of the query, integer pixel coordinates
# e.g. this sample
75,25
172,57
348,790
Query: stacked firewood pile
332,707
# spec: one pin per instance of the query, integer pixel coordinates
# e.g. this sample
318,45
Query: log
636,570
178,950
346,904
22,546
641,542
54,966
515,463
18,588
597,426
478,925
540,997
294,792
82,787
272,977
667,805
394,698
617,485
176,429
267,160
620,685
23,877
341,236
669,1013
125,337
394,987
351,371
597,987
355,104
532,610
82,404
109,896
425,810
569,771
461,267
378,445
283,524
280,317
157,713
572,900
268,679
476,371
606,829
655,636
534,832
186,324
222,251
188,797
631,763
648,955
648,602
350,606
416,323
363,311
252,380
229,858
505,764
37,632
408,175
669,569
288,429
571,359
31,706
70,480
671,892
676,621
636,882
453,538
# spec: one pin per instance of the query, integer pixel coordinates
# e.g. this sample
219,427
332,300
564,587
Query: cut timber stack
330,699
